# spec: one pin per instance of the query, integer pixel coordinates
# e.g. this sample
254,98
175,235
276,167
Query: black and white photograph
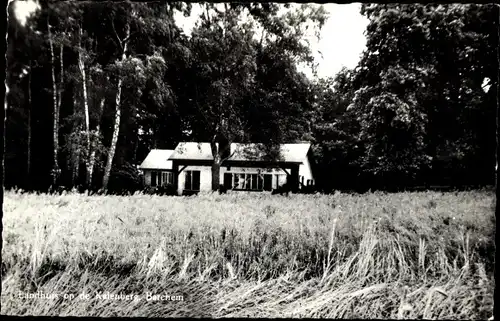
250,159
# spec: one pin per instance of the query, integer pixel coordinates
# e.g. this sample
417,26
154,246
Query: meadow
407,255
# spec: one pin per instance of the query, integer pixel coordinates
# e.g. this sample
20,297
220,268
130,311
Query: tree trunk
215,165
90,170
60,89
55,130
28,164
114,139
74,148
2,140
116,128
81,66
75,157
61,78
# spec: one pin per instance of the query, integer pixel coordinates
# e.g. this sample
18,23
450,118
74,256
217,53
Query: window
153,178
254,182
280,180
260,182
228,180
236,181
160,178
268,182
192,182
241,179
248,181
167,178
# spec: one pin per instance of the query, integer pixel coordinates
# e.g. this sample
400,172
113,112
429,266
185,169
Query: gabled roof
191,150
293,153
158,159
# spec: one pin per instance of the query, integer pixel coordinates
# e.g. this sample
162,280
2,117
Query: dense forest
93,86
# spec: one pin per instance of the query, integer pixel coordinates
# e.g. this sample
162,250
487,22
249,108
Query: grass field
408,255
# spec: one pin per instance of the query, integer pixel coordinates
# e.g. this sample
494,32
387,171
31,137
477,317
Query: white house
157,168
244,168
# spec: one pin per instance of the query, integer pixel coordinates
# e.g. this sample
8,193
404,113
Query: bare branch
128,37
231,155
116,34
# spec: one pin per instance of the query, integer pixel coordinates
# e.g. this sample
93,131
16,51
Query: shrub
168,189
125,180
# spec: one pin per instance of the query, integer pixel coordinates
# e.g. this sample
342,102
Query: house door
228,178
192,182
268,182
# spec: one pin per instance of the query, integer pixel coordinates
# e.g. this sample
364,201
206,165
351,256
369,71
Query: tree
224,65
336,131
124,45
418,82
79,70
229,91
23,46
53,12
138,22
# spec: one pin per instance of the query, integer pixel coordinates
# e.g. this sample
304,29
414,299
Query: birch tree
81,67
55,130
153,25
116,127
28,161
94,144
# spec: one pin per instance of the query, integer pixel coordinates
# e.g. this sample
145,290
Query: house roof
157,159
293,153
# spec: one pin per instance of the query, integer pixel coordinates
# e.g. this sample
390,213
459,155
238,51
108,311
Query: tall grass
415,255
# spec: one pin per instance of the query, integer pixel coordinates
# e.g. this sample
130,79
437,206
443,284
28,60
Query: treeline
95,85
420,107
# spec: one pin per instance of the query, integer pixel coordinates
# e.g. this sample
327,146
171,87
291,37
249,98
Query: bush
125,180
308,189
168,189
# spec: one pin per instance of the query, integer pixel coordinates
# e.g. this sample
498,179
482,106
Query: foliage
125,180
77,140
414,111
168,189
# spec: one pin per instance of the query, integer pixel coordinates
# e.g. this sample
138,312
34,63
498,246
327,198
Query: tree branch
116,34
232,154
128,37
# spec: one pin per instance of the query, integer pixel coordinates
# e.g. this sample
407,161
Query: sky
341,42
342,39
23,9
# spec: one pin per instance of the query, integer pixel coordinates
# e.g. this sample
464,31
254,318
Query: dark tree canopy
111,81
417,112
